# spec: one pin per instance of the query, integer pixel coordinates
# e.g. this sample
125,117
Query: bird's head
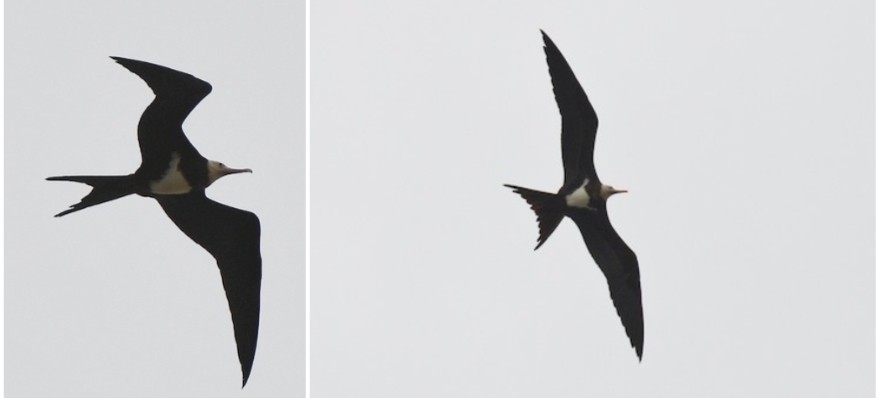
608,190
215,170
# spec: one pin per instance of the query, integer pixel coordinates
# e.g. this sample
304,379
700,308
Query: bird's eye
222,165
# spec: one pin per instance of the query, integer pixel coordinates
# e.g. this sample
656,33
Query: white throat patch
172,182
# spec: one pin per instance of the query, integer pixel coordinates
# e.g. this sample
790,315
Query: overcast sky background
115,300
744,131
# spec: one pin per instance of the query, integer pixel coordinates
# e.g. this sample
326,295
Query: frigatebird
583,197
176,175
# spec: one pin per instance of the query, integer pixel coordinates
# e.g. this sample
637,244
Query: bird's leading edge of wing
181,88
579,120
232,236
619,264
161,125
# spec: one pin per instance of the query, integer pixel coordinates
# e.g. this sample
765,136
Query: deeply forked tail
104,189
549,210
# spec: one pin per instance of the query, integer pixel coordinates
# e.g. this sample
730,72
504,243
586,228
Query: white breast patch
172,182
579,198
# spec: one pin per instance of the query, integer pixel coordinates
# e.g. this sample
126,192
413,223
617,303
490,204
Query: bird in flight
583,198
176,175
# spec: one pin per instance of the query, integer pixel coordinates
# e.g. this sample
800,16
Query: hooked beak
229,170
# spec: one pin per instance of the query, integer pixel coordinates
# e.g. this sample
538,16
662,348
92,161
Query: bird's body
176,175
583,197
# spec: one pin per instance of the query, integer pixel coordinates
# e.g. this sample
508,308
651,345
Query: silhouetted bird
583,198
176,175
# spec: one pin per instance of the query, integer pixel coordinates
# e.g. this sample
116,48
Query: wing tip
635,335
120,60
156,76
632,322
636,341
639,351
128,63
246,369
547,40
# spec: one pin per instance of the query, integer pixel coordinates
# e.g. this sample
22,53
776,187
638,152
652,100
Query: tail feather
104,189
548,207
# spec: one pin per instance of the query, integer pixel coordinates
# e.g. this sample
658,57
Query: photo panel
115,299
742,131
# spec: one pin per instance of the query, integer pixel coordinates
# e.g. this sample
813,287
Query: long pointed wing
579,121
620,267
161,126
232,237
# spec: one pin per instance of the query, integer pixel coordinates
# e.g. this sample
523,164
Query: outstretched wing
620,267
161,126
579,121
232,237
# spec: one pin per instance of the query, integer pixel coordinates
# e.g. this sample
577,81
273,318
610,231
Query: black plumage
176,175
583,198
232,237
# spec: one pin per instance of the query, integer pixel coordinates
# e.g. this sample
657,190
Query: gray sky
115,300
744,131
